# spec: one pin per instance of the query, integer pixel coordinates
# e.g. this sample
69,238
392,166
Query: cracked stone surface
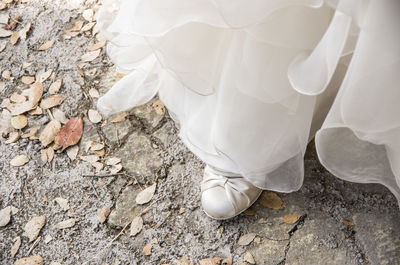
150,149
138,156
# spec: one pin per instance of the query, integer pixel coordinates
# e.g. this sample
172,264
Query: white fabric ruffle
251,83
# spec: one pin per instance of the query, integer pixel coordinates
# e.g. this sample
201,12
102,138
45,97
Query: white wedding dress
251,82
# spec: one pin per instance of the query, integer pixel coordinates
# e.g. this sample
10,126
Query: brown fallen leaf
248,257
19,160
60,116
65,224
184,261
121,117
115,169
24,32
111,161
33,260
27,80
35,94
31,133
51,101
36,111
55,87
136,226
90,158
271,200
291,218
15,247
347,222
72,152
159,107
19,122
14,38
49,132
12,137
246,239
210,261
70,134
90,56
227,261
88,26
257,240
33,227
103,214
77,26
147,250
6,74
94,93
17,98
5,216
47,45
97,46
94,116
63,203
146,195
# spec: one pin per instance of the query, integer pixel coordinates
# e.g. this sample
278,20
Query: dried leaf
12,137
15,247
227,261
249,258
103,214
90,56
94,93
210,261
6,74
65,224
5,216
31,133
24,32
33,260
36,111
97,46
60,116
70,134
3,45
17,98
96,146
88,26
51,102
271,200
27,80
113,161
121,117
115,169
90,158
14,38
136,226
347,222
4,18
146,195
33,227
55,87
99,166
72,152
19,122
78,25
49,132
50,154
94,116
19,160
42,75
88,14
147,249
47,45
63,203
291,218
246,239
5,33
159,107
35,94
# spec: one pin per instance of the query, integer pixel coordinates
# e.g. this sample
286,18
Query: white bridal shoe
225,196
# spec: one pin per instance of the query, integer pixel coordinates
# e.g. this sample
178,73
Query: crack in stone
291,232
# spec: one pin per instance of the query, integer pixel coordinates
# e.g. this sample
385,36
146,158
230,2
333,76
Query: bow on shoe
236,188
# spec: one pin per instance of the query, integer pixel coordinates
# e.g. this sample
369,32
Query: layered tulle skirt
251,82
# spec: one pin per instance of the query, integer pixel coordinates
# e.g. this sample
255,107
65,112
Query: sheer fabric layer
250,84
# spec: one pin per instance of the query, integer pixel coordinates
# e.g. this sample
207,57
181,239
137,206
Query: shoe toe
216,204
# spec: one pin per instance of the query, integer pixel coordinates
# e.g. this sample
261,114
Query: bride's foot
224,197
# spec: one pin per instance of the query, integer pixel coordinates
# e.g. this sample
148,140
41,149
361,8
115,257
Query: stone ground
147,143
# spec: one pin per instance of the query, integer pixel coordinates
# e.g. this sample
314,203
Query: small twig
94,188
50,114
103,175
33,245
